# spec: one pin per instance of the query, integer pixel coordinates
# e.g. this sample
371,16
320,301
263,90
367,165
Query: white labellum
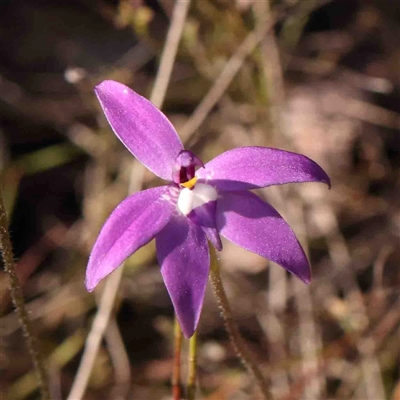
190,199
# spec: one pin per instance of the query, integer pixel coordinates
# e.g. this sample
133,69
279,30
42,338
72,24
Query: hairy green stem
242,351
191,385
19,303
176,372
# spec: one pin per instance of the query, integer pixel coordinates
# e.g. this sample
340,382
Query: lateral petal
246,220
131,225
255,167
141,127
182,252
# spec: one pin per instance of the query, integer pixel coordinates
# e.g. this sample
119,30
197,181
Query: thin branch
111,287
271,69
224,80
307,327
119,359
271,76
169,53
19,303
95,336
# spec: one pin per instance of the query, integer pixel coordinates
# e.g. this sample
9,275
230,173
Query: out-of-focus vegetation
324,82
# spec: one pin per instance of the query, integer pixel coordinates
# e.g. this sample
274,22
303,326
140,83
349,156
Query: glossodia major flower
199,203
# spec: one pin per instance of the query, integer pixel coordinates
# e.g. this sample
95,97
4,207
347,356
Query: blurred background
325,82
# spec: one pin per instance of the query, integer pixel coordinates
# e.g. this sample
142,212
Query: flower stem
239,345
191,385
19,303
176,373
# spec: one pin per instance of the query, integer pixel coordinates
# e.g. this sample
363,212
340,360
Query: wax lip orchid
200,203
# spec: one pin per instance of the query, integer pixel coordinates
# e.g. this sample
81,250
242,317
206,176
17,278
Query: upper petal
255,167
141,127
246,220
131,225
182,252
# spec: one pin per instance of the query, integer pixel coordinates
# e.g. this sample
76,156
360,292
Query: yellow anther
189,184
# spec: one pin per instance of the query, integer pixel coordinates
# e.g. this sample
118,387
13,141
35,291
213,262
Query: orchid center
185,168
192,194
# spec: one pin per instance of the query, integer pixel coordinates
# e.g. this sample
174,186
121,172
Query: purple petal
131,225
246,220
254,167
141,127
182,252
204,216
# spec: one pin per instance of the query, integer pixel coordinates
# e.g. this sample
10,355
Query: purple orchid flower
195,205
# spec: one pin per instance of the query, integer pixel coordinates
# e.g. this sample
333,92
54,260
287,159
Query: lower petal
182,252
131,225
246,220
